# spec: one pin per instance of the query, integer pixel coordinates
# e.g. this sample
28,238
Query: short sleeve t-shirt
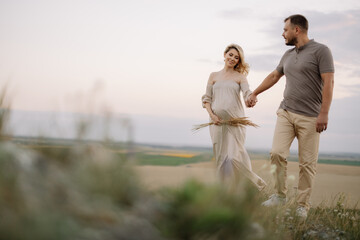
303,68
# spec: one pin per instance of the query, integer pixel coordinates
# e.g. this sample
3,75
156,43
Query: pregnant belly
225,113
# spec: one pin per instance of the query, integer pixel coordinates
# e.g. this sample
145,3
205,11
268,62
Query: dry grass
240,122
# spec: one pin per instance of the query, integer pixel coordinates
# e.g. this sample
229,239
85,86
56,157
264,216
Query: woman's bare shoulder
213,77
240,77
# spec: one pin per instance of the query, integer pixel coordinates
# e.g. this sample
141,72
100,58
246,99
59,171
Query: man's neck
302,41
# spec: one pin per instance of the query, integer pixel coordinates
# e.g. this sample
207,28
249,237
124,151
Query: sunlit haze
150,61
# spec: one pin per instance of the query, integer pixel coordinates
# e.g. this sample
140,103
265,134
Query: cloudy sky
150,60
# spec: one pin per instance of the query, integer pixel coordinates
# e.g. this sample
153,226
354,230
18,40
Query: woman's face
232,58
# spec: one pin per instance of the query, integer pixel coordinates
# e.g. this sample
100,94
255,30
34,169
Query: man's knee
308,168
277,156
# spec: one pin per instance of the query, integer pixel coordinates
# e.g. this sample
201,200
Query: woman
222,101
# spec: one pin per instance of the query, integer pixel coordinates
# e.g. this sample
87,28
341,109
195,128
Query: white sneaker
301,212
274,200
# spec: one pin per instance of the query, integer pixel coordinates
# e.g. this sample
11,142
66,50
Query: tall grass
4,110
88,192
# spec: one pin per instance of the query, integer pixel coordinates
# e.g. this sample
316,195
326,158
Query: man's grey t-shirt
302,68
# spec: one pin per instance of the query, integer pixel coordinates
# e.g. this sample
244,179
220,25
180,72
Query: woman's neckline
226,80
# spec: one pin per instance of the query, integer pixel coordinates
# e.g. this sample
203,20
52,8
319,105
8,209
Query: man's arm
268,82
327,92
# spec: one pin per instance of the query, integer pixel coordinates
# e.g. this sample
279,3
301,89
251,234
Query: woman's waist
227,113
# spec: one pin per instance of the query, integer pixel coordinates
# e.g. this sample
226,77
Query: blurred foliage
205,212
47,199
4,109
88,191
94,194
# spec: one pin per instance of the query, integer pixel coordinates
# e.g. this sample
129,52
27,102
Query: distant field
323,159
171,156
338,161
152,159
144,159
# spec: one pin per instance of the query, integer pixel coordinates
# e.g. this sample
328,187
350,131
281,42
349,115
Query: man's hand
322,122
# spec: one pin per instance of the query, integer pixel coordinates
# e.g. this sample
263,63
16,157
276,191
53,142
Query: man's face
289,33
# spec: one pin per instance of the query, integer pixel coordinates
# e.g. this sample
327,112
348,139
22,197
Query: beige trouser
288,126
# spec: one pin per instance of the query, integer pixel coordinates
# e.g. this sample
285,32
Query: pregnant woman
222,101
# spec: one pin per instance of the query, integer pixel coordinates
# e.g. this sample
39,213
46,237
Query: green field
146,159
331,161
154,155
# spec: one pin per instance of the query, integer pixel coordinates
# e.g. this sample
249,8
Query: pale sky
153,58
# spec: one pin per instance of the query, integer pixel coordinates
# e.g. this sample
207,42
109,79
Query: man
303,113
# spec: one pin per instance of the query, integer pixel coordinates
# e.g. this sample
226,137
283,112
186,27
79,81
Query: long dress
232,159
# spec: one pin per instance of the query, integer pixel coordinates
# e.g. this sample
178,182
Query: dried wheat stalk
242,122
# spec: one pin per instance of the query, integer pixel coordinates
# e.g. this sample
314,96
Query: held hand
251,100
322,122
215,119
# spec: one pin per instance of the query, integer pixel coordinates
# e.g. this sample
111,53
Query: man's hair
298,20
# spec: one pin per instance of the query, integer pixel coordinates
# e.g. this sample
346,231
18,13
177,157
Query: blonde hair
242,66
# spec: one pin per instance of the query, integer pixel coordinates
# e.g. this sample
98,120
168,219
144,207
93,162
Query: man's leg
308,140
283,137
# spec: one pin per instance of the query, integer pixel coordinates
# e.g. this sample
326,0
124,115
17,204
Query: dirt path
330,180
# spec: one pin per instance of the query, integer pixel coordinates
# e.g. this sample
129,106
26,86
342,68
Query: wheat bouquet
242,122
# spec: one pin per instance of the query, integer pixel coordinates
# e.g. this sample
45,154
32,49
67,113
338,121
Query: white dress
232,159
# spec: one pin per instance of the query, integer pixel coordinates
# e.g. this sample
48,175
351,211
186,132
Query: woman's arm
212,115
207,99
244,86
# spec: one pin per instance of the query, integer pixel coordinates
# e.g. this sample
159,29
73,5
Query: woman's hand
251,100
215,119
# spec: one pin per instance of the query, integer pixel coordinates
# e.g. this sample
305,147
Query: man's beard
292,42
